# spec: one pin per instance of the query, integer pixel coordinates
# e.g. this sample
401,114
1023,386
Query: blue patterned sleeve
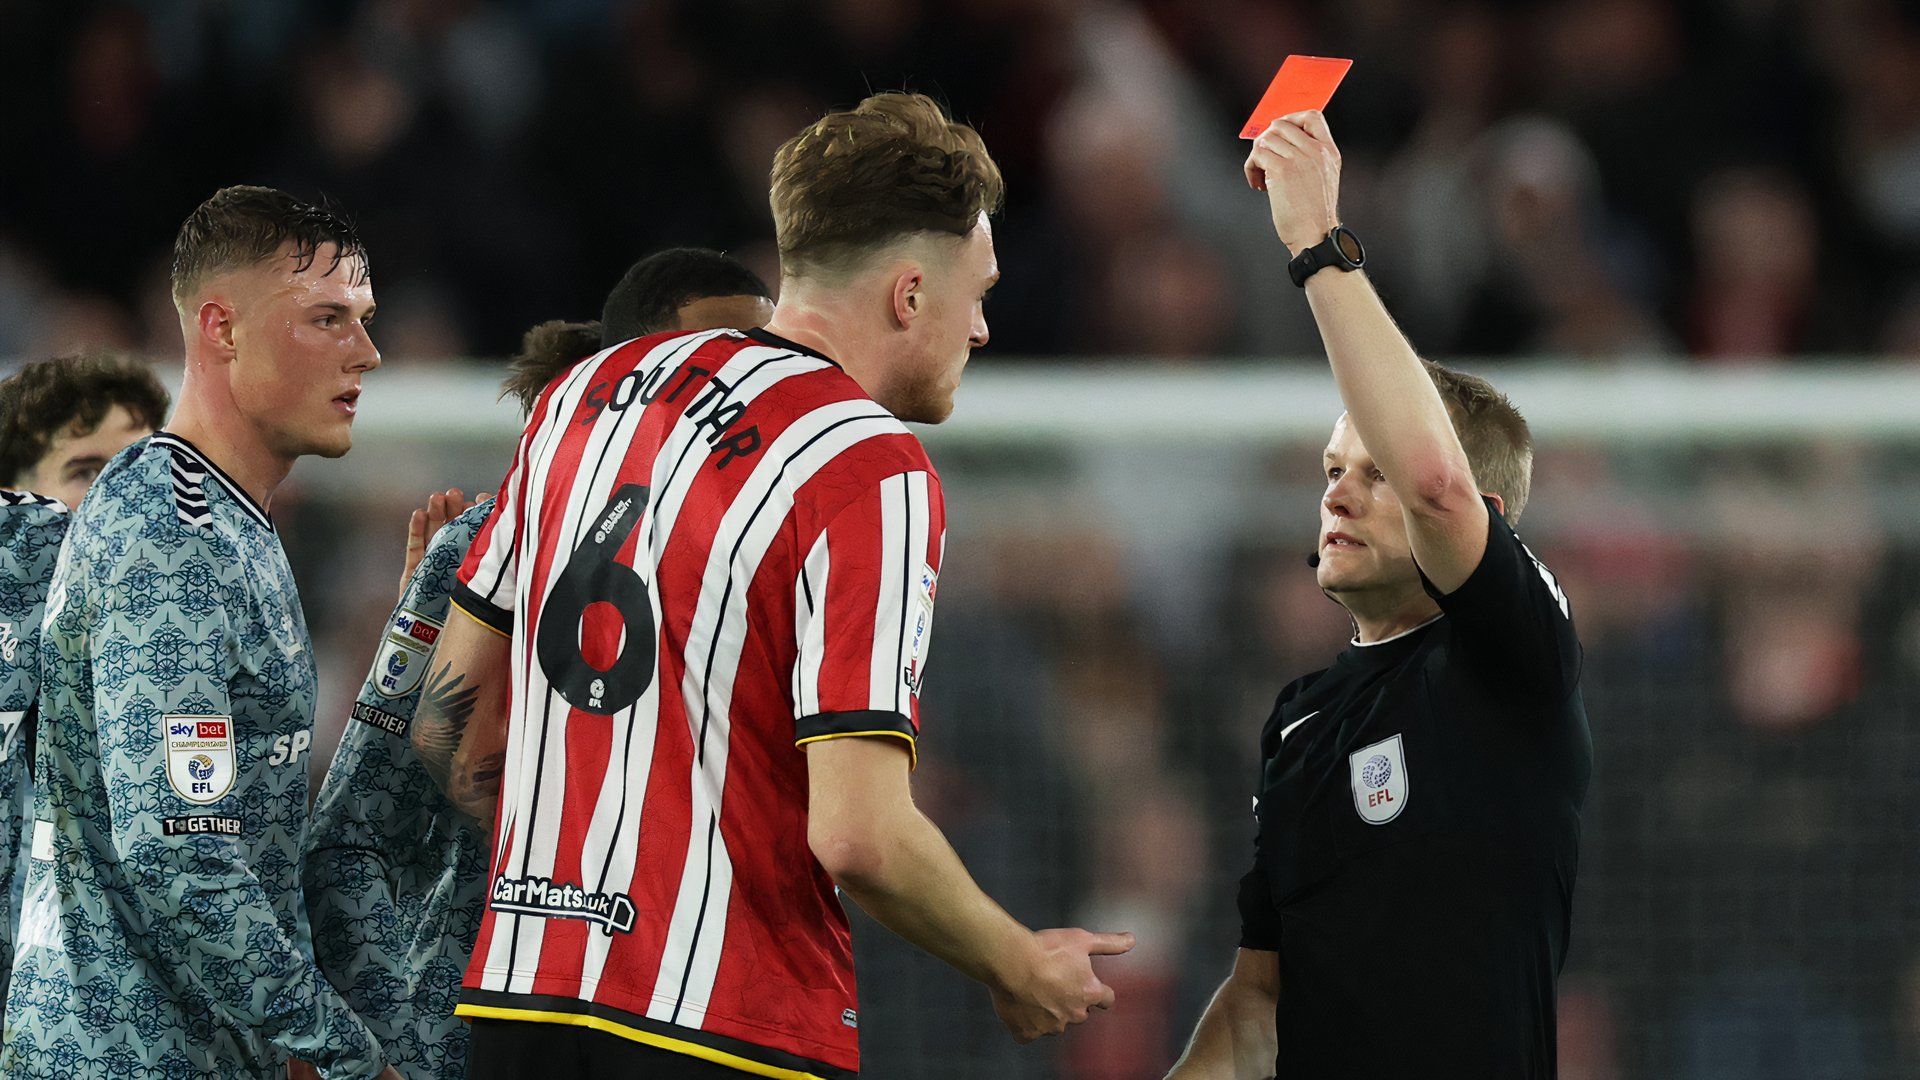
190,797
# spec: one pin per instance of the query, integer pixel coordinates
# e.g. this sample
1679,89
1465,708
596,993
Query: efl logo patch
1378,776
916,669
200,766
404,654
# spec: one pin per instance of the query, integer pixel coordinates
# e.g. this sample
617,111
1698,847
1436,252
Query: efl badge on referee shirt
199,755
1378,775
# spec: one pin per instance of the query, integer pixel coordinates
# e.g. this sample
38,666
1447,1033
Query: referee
1419,805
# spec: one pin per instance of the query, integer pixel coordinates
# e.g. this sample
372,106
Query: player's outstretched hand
1060,988
441,508
1297,164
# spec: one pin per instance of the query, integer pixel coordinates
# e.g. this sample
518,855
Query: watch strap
1320,256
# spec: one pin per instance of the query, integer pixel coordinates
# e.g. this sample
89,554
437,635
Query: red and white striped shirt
710,549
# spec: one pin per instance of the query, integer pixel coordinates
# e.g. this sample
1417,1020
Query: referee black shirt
1419,829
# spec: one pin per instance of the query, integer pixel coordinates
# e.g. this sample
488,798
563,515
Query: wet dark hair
243,226
43,400
646,300
658,286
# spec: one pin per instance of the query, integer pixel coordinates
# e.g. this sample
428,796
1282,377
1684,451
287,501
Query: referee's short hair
854,182
1498,443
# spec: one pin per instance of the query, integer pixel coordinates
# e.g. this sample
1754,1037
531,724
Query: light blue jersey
163,932
395,876
31,527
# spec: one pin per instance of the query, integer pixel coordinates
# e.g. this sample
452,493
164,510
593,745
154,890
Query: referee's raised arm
1391,401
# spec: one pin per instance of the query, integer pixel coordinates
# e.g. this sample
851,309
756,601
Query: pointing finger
1110,944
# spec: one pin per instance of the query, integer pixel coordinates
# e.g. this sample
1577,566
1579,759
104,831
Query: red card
1304,82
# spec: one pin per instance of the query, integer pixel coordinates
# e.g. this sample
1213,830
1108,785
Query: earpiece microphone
1313,561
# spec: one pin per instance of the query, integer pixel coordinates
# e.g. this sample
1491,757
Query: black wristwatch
1340,250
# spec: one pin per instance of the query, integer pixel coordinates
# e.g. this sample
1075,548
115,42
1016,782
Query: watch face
1349,245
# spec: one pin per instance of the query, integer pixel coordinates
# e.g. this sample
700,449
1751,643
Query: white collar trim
1370,644
181,446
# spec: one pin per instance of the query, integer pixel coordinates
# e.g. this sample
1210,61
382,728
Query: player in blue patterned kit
395,874
31,527
164,933
61,420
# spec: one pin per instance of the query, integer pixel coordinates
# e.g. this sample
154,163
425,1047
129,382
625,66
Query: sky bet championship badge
199,755
1379,780
405,652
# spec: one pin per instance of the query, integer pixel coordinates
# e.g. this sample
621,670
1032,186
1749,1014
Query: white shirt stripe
810,630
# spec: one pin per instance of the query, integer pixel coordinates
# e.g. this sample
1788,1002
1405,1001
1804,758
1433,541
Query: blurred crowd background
1721,179
1571,184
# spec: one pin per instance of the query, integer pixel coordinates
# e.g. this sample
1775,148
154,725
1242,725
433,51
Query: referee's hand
1058,987
1296,162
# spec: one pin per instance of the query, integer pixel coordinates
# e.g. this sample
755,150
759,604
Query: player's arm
1235,1037
164,654
1390,399
460,727
864,600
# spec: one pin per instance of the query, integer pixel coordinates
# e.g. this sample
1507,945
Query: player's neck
820,323
815,325
228,441
1392,617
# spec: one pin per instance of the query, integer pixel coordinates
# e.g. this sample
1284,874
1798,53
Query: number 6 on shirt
594,575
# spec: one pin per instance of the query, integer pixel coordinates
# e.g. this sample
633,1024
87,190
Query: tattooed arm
460,728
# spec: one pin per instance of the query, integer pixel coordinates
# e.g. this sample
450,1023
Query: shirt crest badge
1378,777
404,653
200,765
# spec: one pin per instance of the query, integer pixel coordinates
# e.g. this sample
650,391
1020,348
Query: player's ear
909,295
1499,504
214,323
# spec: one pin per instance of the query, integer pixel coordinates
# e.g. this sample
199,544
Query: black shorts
519,1049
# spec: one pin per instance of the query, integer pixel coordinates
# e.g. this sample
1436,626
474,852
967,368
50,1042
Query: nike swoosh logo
1285,731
